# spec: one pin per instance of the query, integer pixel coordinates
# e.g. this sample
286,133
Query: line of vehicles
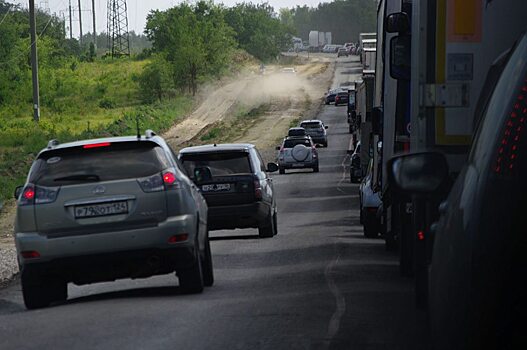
129,207
439,113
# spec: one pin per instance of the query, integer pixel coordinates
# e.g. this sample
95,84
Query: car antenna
137,126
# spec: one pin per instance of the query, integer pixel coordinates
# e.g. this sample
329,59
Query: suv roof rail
53,143
149,134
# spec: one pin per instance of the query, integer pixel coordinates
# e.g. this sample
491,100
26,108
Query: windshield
219,163
311,125
118,161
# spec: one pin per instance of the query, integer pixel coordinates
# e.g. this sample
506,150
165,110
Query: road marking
334,322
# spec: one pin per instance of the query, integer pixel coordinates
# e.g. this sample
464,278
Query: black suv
234,181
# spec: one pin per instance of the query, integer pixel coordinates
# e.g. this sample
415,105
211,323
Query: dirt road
289,97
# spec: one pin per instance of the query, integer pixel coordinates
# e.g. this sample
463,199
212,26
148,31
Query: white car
369,205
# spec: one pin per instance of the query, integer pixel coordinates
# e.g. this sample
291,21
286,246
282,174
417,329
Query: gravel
8,264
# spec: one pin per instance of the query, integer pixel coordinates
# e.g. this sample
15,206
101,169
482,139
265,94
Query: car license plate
216,188
298,165
93,210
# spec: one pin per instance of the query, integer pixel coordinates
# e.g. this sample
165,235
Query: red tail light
29,193
420,235
169,178
96,145
38,195
257,188
514,126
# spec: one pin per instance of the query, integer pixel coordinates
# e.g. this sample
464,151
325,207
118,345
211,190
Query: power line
7,12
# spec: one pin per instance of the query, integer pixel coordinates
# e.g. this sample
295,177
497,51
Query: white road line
343,177
334,322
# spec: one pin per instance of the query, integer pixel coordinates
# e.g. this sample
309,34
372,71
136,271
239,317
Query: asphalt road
318,284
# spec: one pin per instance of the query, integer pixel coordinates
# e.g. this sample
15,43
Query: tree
258,30
194,39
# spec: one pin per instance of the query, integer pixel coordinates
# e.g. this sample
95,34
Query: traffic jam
437,158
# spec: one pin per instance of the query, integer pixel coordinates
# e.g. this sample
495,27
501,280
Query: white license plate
298,165
93,210
216,188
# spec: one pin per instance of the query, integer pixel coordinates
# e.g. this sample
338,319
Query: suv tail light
159,182
281,156
32,194
314,151
257,188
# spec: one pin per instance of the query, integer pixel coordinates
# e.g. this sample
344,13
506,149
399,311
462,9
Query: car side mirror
400,57
397,23
202,174
18,191
272,167
325,127
418,173
277,148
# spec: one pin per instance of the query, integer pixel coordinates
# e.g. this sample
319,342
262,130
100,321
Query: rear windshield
293,143
311,125
116,161
224,163
343,94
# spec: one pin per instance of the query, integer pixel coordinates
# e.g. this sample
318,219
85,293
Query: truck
317,40
436,66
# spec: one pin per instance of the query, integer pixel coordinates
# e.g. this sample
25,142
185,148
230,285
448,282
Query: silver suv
297,152
100,210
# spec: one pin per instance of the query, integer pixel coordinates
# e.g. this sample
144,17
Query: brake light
420,235
29,193
96,145
169,178
514,127
257,188
314,151
38,195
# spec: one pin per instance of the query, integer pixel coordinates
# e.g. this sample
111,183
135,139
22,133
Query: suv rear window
311,125
293,142
123,160
219,163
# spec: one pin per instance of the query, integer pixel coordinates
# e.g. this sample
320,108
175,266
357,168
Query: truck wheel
191,279
267,230
42,293
281,171
208,272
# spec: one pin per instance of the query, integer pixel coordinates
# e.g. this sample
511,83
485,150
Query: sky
137,10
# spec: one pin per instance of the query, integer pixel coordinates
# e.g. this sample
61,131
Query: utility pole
80,23
71,25
34,60
94,29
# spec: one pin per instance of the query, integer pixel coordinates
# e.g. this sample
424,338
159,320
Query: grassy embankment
91,100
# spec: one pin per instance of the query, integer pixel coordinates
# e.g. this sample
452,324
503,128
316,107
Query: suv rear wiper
79,177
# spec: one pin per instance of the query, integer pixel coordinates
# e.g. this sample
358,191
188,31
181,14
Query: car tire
275,223
281,171
350,129
267,230
371,229
191,279
315,169
42,293
327,102
208,271
361,213
325,144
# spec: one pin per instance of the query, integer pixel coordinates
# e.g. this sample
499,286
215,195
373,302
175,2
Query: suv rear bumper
296,165
237,216
83,247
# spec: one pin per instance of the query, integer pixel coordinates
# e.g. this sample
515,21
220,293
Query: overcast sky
137,10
